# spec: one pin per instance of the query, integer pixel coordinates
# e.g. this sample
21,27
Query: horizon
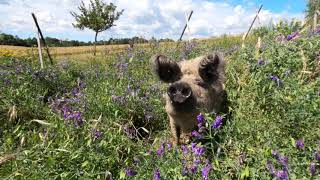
146,19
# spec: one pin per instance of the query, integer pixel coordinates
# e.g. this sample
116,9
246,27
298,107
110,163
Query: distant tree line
7,39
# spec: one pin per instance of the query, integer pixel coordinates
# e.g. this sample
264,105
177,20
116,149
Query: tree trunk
95,44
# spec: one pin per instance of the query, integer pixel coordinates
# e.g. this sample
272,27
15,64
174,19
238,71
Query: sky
147,18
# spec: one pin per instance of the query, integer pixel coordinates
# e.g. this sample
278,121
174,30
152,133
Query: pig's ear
211,68
166,69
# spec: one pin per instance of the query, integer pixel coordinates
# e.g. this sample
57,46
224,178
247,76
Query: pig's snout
179,92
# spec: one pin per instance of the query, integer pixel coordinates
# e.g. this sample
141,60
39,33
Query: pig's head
192,84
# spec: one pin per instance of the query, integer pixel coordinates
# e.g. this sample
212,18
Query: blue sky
293,6
147,18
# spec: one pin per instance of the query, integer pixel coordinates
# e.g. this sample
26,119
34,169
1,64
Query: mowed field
76,50
86,52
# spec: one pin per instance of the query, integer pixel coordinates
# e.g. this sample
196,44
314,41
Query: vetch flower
205,172
197,162
184,171
193,169
317,156
198,150
217,122
96,134
184,149
299,144
292,36
283,160
312,168
169,145
283,175
157,175
200,118
130,172
196,134
261,62
160,151
276,79
271,168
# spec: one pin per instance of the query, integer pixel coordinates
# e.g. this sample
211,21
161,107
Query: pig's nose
179,92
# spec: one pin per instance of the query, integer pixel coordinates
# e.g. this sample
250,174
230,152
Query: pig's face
192,84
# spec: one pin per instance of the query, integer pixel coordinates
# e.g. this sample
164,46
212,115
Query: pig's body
194,85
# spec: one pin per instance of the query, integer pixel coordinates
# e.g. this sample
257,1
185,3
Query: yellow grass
86,52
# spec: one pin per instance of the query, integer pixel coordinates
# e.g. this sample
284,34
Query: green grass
120,98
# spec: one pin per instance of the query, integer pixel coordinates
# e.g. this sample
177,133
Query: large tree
312,7
98,17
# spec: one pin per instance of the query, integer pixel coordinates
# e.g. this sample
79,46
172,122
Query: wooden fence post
252,22
39,50
42,38
185,27
315,21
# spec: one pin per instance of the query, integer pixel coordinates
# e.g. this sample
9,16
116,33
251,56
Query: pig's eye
201,83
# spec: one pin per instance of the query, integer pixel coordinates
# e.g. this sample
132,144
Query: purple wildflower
317,156
82,85
196,134
169,145
160,151
276,79
96,134
299,144
130,172
318,30
271,168
283,160
292,36
283,175
184,149
184,171
205,172
217,122
157,175
312,168
193,169
75,91
197,161
198,150
201,119
261,62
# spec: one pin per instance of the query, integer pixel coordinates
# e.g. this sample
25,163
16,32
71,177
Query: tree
312,7
97,17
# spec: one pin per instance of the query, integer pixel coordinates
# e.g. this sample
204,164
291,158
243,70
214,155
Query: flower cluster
299,144
283,173
71,105
216,124
277,80
292,36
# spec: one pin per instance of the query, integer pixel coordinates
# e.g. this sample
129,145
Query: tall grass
105,118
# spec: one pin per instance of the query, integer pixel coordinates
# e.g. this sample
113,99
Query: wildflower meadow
105,118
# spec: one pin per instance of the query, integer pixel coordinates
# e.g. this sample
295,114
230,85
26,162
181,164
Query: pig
193,85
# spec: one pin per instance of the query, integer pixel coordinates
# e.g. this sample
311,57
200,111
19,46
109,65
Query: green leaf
245,173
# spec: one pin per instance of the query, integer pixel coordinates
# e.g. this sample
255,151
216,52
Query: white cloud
147,18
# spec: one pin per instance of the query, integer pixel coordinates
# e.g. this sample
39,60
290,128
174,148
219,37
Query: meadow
104,118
